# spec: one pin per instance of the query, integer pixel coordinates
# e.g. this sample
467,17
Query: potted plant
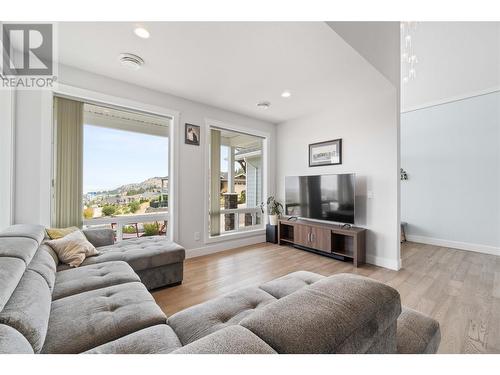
274,210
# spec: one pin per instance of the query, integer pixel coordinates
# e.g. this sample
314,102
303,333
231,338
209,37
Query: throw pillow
73,248
55,233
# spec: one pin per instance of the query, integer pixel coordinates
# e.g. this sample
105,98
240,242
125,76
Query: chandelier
408,57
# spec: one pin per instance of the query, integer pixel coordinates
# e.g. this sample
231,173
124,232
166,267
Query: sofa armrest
343,313
100,237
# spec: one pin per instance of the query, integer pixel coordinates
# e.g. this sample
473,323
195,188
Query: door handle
312,237
309,237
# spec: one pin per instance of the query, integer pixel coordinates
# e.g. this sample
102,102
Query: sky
112,158
224,158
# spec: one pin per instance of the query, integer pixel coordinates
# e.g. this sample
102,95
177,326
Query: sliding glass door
126,171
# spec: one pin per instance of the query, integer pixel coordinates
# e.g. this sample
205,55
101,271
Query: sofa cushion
28,309
290,283
198,321
385,342
100,236
230,340
43,263
84,321
417,333
141,253
159,339
18,247
95,276
73,248
32,231
13,342
55,233
11,272
340,314
51,252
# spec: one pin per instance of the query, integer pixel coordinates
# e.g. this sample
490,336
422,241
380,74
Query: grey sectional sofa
104,308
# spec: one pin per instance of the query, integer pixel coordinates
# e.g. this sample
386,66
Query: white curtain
68,116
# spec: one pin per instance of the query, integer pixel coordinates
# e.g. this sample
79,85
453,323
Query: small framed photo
325,153
192,134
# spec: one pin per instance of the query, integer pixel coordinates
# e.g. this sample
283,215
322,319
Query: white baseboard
392,264
233,244
222,246
486,249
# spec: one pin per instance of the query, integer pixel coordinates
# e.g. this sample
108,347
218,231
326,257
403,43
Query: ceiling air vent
131,61
263,105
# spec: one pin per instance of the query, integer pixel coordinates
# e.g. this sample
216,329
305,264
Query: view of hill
152,183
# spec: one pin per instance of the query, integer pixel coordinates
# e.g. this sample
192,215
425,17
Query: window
236,182
125,171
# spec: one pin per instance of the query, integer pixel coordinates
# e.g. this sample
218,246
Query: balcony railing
231,219
120,221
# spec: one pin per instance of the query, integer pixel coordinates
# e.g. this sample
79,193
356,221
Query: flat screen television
326,197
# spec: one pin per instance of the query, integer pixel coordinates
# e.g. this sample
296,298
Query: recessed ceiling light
141,32
131,61
286,94
263,105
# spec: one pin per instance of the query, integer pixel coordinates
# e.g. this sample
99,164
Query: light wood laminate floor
460,289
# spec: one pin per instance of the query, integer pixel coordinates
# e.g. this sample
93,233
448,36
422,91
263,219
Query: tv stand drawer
321,239
302,235
313,237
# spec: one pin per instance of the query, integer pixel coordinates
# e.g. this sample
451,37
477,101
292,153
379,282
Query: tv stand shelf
326,239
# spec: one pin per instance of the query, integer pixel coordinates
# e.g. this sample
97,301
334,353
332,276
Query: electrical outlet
196,236
369,194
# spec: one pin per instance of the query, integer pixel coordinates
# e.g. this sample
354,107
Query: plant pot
273,219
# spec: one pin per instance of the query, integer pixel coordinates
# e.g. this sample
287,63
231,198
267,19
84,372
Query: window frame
97,98
266,138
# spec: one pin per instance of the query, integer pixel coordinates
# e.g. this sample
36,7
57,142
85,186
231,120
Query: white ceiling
378,42
229,65
455,59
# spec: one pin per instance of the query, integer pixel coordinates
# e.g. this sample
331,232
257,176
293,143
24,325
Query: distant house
239,183
253,161
114,200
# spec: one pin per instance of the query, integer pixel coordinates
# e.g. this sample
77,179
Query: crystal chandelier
408,57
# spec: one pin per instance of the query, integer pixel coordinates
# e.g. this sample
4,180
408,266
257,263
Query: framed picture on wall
325,153
192,134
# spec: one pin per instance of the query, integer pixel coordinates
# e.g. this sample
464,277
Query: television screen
326,197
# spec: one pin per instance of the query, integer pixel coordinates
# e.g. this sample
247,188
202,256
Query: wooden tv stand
326,239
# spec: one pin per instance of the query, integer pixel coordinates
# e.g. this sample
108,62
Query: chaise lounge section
105,308
157,262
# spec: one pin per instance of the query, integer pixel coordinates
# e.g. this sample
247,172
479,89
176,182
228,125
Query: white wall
456,60
33,158
452,155
368,126
6,156
31,184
